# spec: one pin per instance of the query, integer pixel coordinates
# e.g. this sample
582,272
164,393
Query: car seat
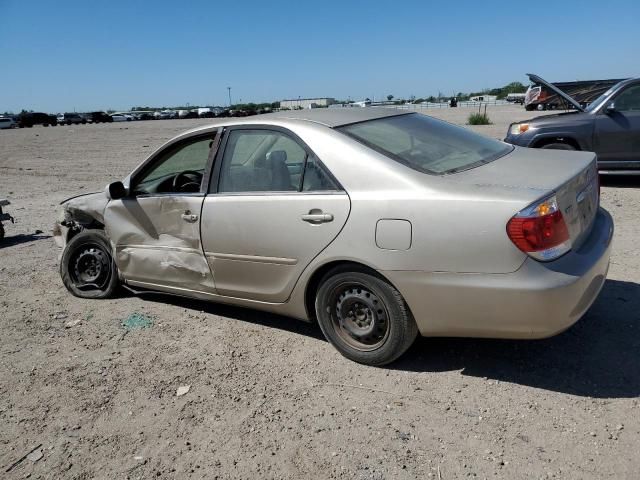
280,176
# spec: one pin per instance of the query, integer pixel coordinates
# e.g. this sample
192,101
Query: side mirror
610,108
117,190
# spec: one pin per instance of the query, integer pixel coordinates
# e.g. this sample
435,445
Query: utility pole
229,91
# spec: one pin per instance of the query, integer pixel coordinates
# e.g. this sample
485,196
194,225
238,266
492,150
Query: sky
71,55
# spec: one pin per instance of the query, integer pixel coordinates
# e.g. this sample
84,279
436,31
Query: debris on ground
34,455
137,320
183,390
72,323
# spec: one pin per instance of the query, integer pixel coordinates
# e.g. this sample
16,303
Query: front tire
87,267
558,146
364,317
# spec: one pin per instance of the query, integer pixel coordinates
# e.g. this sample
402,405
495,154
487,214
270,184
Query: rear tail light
540,230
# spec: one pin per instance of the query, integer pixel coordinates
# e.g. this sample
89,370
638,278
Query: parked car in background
396,224
145,115
121,117
100,117
71,119
188,113
609,126
206,112
7,122
29,119
516,98
165,114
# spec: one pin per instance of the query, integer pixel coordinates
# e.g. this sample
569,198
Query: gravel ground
269,397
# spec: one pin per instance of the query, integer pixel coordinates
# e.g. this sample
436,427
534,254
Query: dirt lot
269,397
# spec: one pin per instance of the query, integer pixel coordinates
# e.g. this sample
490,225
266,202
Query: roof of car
330,117
335,117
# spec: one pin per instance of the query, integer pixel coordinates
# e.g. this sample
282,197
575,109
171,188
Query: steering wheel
187,181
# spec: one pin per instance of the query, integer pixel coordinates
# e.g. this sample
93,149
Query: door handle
189,217
317,216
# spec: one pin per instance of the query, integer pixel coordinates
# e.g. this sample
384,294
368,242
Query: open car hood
541,81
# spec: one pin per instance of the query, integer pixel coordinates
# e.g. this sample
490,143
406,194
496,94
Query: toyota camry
377,224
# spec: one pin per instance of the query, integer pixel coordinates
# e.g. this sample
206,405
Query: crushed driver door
155,230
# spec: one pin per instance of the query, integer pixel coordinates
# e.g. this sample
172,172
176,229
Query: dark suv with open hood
609,126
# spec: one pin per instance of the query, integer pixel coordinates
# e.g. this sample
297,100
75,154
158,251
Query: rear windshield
426,144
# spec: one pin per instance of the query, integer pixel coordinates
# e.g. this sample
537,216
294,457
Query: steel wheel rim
359,316
90,267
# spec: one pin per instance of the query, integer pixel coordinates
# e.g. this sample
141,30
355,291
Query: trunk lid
527,175
579,200
556,90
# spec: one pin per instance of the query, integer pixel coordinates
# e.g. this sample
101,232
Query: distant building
298,103
484,98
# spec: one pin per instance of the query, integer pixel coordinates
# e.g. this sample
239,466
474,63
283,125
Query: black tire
364,317
87,267
1,231
558,146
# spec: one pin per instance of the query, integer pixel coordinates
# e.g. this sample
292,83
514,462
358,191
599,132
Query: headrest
277,156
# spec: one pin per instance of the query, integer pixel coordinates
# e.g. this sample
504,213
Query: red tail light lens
540,230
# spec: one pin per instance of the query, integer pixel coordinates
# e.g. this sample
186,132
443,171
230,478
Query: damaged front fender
78,213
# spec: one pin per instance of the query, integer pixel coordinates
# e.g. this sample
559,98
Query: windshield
426,144
598,101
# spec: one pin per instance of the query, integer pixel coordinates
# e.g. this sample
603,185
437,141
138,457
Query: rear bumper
537,301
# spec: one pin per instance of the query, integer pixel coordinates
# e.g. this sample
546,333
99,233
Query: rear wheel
87,267
364,317
558,146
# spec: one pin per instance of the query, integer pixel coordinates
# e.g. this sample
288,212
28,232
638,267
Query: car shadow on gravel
21,238
620,181
598,357
248,315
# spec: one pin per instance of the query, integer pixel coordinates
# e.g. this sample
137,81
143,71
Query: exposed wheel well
76,227
546,141
314,282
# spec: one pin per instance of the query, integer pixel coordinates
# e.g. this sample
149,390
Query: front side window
179,170
426,144
628,100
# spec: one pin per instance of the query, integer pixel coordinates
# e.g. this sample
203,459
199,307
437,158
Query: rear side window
426,144
260,160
